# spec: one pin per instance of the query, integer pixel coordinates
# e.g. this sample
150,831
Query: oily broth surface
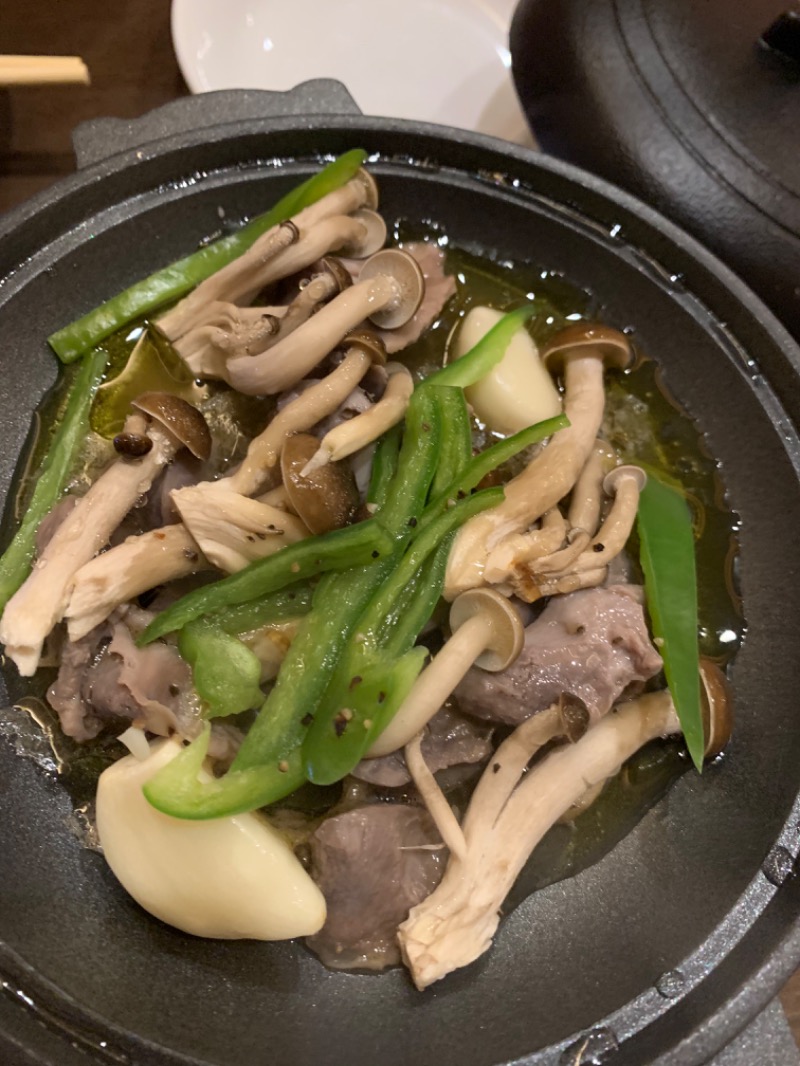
642,422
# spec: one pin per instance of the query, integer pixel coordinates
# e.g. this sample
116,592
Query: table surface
128,50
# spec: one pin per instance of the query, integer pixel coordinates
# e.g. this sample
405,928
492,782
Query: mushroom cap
577,339
374,235
336,270
717,707
613,478
406,272
367,341
180,418
505,630
371,197
328,497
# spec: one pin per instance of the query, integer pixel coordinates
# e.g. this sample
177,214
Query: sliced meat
590,644
106,682
451,740
373,865
159,510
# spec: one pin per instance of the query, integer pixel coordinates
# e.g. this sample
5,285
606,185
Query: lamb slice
590,644
450,740
41,601
106,682
373,865
439,287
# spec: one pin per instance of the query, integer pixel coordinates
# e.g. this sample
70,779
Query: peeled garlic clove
229,878
518,392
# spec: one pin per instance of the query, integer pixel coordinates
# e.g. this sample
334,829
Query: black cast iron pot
702,889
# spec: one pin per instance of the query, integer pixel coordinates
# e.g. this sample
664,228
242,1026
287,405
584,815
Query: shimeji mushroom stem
456,923
290,360
434,799
234,278
301,414
433,686
487,632
479,553
40,603
365,428
536,544
118,575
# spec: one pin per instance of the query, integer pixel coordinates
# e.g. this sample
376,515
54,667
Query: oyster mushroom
240,280
456,923
487,632
358,432
42,600
388,292
325,498
480,553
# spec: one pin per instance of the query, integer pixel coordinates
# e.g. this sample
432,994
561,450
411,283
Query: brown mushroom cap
371,198
328,497
367,341
405,270
180,418
613,478
336,270
581,337
505,630
373,239
717,707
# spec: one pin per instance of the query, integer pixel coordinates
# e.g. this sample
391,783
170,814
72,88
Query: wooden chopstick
43,70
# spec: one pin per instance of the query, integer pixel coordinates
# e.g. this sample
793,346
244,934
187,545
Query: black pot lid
693,106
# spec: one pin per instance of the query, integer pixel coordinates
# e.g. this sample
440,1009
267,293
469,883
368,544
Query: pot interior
679,891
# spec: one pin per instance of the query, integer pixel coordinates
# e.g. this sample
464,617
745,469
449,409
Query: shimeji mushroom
358,432
326,498
233,530
510,813
41,601
242,278
357,236
229,878
230,330
116,576
388,292
487,632
479,554
566,571
123,572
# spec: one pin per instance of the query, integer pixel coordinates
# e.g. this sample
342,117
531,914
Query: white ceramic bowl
441,61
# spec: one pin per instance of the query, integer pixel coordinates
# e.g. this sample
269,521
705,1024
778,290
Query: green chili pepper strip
456,449
487,461
226,673
487,353
338,550
666,540
172,282
282,606
369,706
176,790
323,761
51,476
413,614
384,466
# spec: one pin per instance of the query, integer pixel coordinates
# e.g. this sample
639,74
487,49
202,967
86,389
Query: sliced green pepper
281,606
487,353
225,671
666,540
52,474
456,450
338,550
172,282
